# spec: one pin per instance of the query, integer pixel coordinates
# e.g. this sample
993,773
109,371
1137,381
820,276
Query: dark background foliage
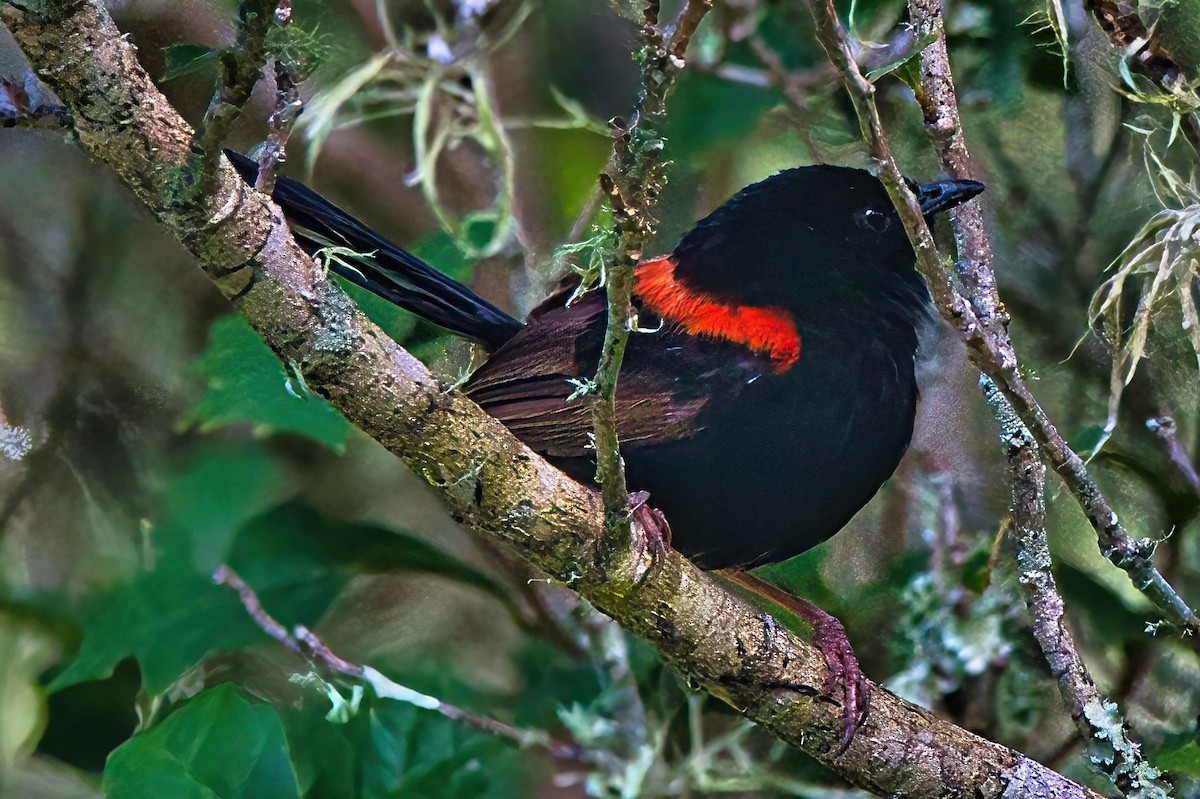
167,440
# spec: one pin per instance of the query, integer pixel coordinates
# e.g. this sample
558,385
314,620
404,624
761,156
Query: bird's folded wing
536,384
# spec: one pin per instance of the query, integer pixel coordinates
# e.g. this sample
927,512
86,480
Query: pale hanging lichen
1162,263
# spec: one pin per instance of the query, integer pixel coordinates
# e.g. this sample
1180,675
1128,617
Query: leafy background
167,440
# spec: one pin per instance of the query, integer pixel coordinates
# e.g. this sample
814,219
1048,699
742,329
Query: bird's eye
873,220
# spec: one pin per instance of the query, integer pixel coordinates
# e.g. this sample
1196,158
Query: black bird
773,397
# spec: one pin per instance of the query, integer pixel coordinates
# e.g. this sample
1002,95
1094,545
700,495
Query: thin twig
240,68
1098,720
939,104
631,183
303,641
223,575
981,321
994,353
1182,465
287,107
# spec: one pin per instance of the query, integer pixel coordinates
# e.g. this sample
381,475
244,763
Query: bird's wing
536,384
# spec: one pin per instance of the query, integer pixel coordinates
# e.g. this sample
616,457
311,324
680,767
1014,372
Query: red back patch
769,331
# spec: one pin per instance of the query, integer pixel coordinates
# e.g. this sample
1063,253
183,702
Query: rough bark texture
1099,721
489,480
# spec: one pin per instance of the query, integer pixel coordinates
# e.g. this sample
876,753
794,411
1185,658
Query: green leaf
802,575
1183,758
297,559
902,60
416,753
707,111
167,619
1106,609
247,384
909,73
217,745
187,59
1086,439
173,617
25,650
391,749
220,487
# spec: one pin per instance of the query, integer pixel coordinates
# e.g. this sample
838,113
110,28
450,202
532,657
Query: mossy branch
239,69
631,183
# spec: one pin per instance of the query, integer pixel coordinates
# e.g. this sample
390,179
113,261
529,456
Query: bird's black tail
365,258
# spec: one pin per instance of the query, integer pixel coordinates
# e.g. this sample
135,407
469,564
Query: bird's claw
846,679
651,534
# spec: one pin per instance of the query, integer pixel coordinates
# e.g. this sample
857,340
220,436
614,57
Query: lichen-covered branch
631,184
964,293
999,362
489,480
1098,720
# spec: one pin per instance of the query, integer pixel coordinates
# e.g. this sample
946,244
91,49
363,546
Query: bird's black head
820,241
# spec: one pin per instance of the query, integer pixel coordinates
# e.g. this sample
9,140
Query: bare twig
1182,465
1098,720
240,68
223,575
981,320
631,183
287,107
304,642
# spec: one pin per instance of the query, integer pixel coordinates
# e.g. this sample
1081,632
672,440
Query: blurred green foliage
167,439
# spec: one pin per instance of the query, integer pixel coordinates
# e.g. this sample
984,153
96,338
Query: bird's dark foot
845,676
846,684
651,534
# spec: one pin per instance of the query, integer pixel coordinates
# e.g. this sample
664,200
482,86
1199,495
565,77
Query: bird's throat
767,331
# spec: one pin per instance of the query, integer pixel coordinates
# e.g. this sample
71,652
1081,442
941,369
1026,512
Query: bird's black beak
942,195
